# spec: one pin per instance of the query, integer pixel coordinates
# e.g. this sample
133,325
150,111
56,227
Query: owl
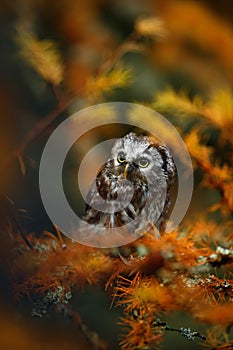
132,187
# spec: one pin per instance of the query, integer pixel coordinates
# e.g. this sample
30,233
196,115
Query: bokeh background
57,57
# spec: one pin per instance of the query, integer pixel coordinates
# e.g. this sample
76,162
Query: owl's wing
168,163
169,169
92,215
90,195
95,202
93,192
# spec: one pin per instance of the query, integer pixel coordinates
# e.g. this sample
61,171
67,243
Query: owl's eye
143,162
121,158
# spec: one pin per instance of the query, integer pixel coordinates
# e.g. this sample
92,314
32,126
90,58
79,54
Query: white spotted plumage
133,186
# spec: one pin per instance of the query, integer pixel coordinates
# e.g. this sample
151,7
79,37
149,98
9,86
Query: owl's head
143,155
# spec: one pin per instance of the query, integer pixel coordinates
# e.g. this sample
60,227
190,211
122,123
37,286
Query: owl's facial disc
133,164
142,162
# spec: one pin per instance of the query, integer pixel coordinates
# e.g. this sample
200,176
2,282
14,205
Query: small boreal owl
132,186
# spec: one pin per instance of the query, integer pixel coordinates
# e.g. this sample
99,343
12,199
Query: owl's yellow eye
143,162
121,158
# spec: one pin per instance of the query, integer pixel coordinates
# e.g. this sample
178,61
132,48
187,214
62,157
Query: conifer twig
185,332
33,133
92,337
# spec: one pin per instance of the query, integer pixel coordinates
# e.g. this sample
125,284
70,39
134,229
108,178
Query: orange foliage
216,314
191,24
187,270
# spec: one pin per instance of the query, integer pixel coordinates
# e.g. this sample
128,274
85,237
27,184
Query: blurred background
58,57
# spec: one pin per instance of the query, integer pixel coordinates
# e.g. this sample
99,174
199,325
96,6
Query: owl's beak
129,168
125,170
